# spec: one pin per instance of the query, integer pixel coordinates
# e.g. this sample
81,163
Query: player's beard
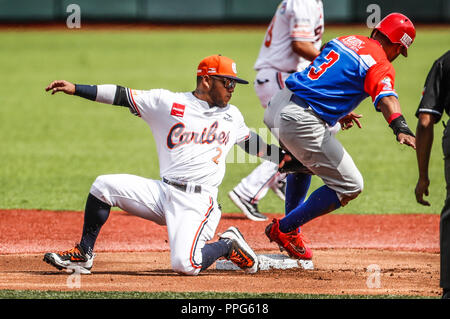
217,98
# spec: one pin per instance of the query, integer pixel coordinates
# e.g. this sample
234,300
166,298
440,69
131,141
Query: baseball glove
291,165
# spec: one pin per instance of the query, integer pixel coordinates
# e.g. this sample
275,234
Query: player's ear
206,82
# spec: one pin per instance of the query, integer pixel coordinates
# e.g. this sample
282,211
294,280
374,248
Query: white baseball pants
191,218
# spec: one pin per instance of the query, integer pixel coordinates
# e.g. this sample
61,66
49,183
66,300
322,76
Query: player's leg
296,190
323,154
133,194
96,214
444,226
252,188
310,141
192,220
268,82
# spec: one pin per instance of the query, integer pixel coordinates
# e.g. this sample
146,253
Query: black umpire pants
444,229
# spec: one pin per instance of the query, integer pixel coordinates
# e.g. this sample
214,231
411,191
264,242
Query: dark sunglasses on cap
227,82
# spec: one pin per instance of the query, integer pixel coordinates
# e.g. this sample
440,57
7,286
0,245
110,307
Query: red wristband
393,117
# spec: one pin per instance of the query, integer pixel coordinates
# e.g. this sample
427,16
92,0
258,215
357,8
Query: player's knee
100,189
353,189
184,266
100,181
359,184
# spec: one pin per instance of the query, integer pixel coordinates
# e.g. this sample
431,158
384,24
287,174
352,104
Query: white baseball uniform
192,141
294,20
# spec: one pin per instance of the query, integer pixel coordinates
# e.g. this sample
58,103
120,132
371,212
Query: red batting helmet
399,29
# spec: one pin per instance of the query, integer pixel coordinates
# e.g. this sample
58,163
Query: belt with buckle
182,186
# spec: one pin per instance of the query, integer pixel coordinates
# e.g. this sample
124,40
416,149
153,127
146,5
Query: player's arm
105,93
424,142
390,107
255,145
305,49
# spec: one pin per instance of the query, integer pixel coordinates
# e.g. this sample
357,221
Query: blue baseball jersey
348,70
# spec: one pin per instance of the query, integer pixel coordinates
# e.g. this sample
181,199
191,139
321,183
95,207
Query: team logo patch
233,66
177,110
228,117
353,43
406,40
387,84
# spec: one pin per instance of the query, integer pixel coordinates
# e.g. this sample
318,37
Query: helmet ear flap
404,51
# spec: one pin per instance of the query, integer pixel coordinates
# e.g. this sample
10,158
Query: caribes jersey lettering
178,136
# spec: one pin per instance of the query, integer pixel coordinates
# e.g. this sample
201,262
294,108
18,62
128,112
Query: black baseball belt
182,186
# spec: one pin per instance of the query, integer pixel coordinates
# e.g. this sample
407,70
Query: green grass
53,147
79,294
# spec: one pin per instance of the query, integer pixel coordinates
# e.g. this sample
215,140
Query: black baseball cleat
74,259
240,252
250,210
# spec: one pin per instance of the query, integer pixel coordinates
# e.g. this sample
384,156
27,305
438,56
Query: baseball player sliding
292,41
193,131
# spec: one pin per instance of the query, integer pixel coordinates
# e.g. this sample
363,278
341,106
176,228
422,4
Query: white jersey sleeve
242,131
143,103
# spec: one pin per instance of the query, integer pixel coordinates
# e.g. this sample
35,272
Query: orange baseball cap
219,65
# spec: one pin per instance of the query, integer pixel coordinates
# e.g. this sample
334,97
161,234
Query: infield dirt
353,254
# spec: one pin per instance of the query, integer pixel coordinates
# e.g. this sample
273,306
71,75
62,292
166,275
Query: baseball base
270,261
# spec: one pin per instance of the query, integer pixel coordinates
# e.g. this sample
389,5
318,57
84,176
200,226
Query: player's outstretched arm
390,107
104,93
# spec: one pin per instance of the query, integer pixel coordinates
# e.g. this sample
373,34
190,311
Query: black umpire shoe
250,210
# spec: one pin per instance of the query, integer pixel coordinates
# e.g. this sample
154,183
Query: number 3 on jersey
315,73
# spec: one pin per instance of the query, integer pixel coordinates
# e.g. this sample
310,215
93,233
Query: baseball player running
292,41
193,131
359,66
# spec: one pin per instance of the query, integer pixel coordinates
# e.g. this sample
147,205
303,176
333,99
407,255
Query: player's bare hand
286,158
407,140
422,189
350,120
61,86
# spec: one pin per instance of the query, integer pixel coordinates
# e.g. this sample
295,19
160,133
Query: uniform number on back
314,73
268,39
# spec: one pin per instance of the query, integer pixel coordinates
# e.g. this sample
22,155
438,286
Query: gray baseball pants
306,136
